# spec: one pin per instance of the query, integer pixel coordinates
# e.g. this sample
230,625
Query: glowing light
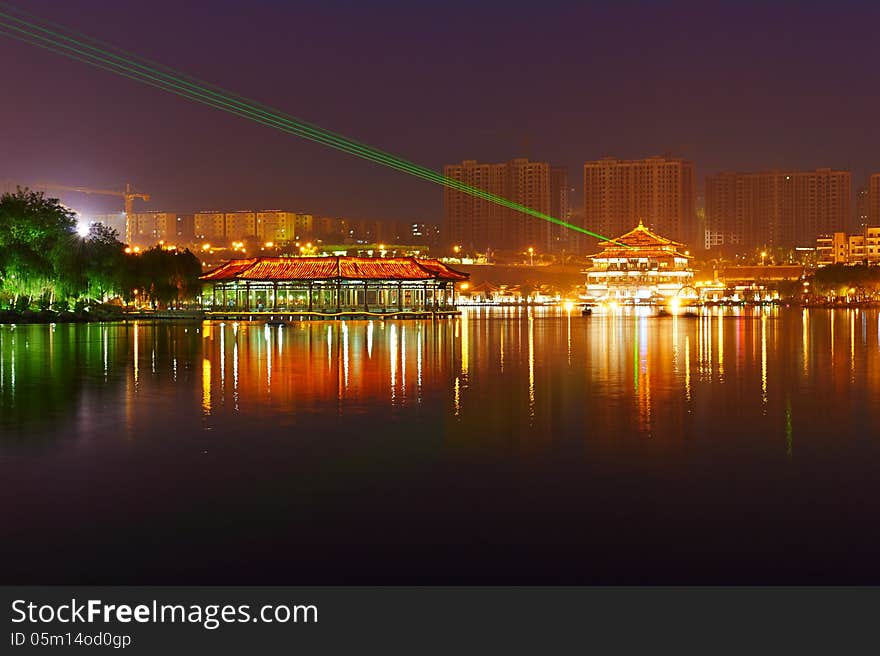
86,50
82,229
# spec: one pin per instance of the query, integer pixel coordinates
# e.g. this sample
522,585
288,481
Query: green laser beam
169,80
313,132
351,147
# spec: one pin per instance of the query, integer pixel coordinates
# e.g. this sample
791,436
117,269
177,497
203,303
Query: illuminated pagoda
639,267
331,285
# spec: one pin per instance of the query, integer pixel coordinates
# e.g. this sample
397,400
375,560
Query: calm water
505,446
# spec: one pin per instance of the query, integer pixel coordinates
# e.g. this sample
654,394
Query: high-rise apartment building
658,191
874,200
861,209
776,208
210,226
479,225
146,228
241,225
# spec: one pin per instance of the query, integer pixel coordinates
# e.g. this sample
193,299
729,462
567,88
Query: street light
531,256
763,255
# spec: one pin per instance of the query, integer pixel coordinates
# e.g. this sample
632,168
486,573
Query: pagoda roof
641,241
333,268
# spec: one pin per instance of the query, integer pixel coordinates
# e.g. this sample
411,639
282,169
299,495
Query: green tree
35,237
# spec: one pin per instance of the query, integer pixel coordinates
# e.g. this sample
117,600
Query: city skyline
702,104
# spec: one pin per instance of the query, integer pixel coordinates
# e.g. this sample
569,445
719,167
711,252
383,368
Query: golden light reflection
392,355
206,387
501,347
344,329
531,321
644,398
764,362
852,344
329,347
419,338
235,368
403,361
222,359
568,334
805,338
136,354
675,344
687,367
465,343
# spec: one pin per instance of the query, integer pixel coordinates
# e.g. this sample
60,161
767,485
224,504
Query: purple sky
740,85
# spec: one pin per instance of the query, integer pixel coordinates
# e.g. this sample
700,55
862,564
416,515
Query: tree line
46,264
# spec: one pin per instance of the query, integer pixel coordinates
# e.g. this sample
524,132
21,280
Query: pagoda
639,267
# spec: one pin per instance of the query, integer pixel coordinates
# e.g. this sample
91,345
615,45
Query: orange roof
639,242
333,268
642,236
228,270
627,253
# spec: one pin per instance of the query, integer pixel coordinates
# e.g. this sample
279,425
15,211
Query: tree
105,261
165,277
35,235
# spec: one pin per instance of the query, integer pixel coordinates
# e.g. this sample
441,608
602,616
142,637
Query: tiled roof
640,237
627,253
228,270
331,268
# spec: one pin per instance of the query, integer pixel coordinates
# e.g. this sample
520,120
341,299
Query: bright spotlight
82,229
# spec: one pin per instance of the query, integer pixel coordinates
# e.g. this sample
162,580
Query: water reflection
513,371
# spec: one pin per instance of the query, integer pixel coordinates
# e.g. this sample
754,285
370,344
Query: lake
504,446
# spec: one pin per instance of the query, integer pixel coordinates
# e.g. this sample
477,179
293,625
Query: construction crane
129,195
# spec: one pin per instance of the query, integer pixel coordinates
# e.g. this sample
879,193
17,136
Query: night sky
737,85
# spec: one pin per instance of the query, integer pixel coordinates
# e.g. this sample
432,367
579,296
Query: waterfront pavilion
331,285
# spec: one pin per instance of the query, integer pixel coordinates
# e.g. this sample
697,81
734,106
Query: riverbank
90,315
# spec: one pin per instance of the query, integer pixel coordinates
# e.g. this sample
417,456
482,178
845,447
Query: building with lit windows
477,225
841,248
776,208
873,203
240,225
640,267
146,228
658,190
210,226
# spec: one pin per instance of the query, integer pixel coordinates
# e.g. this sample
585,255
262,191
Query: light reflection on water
623,409
514,359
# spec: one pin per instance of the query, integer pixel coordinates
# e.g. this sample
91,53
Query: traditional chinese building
331,285
639,267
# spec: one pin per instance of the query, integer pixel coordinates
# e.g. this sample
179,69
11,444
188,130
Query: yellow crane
129,195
